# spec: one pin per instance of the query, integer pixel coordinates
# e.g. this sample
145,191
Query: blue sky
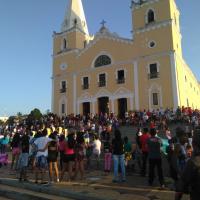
26,44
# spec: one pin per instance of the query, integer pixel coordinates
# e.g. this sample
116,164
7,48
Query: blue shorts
41,162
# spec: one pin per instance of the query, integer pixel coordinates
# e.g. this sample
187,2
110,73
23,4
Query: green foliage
19,114
48,112
35,114
11,120
1,122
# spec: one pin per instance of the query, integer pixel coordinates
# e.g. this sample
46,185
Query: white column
52,95
174,80
136,85
150,99
131,103
78,107
112,105
161,97
74,94
93,106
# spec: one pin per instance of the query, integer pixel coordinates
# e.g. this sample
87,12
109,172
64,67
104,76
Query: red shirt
62,145
152,125
143,141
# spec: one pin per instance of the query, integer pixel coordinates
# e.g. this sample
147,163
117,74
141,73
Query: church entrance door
103,105
122,107
86,108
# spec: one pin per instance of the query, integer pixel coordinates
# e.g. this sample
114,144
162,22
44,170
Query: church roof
104,32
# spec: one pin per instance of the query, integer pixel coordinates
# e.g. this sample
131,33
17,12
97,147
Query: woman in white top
96,148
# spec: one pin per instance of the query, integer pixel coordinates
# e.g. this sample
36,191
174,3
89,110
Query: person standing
154,144
107,156
4,143
23,158
118,156
41,156
143,141
69,156
97,149
52,158
128,152
15,145
190,178
80,155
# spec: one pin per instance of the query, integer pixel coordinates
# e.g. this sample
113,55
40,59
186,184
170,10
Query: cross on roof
103,23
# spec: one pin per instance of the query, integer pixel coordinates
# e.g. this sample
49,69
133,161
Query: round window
152,44
63,66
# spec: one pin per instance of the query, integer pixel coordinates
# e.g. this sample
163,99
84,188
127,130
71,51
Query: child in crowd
23,158
80,155
128,151
189,151
107,156
15,145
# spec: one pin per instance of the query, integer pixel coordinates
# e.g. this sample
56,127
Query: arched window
151,16
102,60
64,43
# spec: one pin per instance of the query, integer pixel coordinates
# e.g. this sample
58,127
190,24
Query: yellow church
105,72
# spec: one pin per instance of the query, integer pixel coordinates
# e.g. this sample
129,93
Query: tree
1,122
11,120
19,114
48,112
35,114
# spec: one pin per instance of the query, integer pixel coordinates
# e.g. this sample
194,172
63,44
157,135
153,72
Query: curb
48,190
19,195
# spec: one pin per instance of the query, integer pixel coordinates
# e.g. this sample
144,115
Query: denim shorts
41,162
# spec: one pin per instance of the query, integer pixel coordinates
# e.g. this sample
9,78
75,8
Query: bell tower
157,23
75,17
74,31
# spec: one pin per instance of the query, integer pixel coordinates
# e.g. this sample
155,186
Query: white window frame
155,89
153,62
150,43
63,100
146,15
62,43
119,69
100,54
106,74
61,83
157,99
82,77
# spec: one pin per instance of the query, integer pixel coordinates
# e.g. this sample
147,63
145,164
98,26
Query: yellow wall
129,55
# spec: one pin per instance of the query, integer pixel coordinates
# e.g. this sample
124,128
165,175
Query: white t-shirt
41,142
97,147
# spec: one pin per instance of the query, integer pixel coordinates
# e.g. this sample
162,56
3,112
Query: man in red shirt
143,140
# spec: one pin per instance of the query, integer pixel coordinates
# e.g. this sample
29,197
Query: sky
26,28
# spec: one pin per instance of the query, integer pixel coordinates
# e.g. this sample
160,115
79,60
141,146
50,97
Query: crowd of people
73,144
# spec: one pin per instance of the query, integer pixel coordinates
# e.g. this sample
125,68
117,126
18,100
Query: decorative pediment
84,96
103,93
63,99
105,35
154,86
121,91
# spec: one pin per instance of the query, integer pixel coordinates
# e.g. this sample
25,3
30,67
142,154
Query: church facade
108,73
